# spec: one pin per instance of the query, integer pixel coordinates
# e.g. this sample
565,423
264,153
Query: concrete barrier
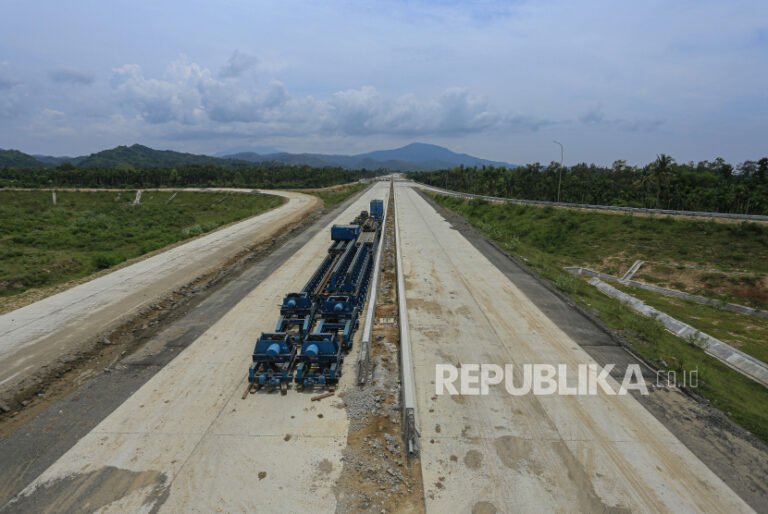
734,307
410,428
725,353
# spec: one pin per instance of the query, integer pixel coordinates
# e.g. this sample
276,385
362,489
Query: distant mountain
17,159
263,150
140,156
425,153
57,161
412,157
316,161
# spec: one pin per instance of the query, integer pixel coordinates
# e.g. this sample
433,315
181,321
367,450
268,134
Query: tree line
267,176
712,186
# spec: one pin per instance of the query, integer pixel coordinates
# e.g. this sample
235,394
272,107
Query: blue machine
298,309
345,232
272,358
339,315
377,210
319,362
317,324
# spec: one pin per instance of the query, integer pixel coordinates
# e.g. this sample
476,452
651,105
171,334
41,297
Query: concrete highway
185,441
525,453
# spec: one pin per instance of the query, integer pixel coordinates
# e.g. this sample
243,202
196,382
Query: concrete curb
736,359
632,270
741,309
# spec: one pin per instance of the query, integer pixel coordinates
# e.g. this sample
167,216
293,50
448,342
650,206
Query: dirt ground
738,287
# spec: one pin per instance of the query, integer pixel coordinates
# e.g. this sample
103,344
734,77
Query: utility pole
560,174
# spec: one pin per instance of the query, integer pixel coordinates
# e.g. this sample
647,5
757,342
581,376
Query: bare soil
736,287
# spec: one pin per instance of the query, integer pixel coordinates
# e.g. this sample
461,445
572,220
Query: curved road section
36,335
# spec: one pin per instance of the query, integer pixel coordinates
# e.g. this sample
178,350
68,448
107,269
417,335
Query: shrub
107,260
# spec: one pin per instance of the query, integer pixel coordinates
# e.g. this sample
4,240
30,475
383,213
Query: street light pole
560,174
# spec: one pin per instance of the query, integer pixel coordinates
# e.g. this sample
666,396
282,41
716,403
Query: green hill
17,159
137,156
140,156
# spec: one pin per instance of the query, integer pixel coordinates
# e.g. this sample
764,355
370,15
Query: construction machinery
317,324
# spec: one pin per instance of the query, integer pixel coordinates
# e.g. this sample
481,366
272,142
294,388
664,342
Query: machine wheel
283,388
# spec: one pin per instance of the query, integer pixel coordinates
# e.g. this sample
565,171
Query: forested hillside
15,158
140,156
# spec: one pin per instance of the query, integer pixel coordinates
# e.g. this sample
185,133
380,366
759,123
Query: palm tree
661,171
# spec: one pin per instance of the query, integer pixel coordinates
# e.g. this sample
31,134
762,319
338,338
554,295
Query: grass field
552,238
42,244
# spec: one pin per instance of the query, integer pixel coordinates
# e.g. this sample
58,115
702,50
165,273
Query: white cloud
190,95
368,111
177,98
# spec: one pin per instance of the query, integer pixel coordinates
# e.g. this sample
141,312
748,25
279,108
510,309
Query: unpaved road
36,335
526,453
186,442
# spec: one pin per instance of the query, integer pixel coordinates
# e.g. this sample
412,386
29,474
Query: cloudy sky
501,80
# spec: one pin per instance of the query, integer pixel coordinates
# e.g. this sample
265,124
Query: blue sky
501,80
